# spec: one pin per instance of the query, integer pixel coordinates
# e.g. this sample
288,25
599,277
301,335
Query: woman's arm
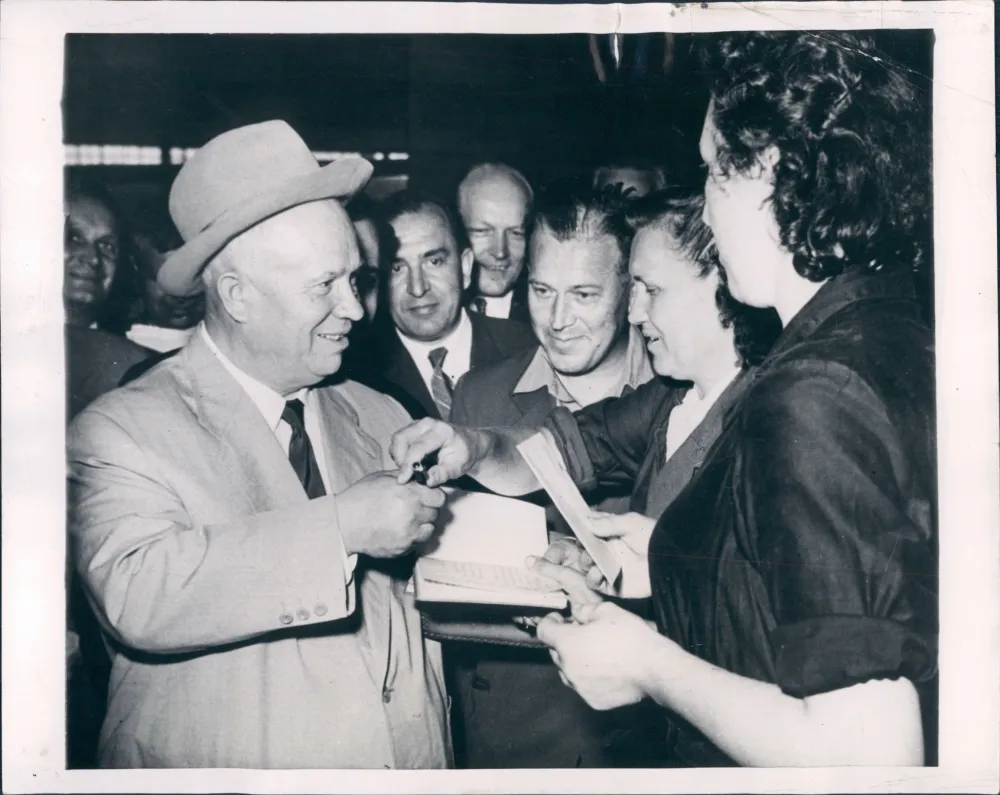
615,658
487,454
873,723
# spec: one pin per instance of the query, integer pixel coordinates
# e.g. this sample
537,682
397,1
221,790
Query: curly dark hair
852,183
679,214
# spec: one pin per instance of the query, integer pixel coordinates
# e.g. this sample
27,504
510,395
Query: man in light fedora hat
233,512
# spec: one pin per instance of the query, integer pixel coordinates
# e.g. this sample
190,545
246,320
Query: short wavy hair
679,214
852,183
573,210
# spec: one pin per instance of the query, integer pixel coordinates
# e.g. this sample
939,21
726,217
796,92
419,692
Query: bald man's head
494,201
281,297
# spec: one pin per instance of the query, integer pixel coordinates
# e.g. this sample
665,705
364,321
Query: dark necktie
479,305
300,451
440,383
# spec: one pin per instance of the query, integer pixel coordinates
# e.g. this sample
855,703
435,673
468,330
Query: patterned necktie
441,386
300,451
479,305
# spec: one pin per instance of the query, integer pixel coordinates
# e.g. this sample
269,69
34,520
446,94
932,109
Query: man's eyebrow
435,252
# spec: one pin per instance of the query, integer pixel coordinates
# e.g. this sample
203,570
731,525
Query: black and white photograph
499,391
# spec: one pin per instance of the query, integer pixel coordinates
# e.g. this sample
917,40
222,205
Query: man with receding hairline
494,201
426,340
233,509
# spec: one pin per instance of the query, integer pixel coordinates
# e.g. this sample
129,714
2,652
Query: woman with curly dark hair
793,580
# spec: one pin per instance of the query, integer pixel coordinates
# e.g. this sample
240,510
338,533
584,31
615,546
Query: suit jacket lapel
484,348
402,371
350,452
674,475
533,405
249,453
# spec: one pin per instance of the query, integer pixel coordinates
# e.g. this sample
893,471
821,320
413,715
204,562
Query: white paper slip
485,576
543,458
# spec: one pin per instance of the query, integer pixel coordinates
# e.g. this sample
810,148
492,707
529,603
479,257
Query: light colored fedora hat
239,179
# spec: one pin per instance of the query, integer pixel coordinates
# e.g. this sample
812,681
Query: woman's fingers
605,525
570,580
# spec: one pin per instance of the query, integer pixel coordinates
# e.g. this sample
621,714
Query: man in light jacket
233,517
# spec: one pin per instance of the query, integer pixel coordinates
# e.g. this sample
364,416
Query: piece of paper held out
541,455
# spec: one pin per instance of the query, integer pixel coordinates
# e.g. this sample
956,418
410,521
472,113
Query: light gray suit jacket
240,640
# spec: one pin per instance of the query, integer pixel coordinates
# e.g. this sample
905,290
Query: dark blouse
621,443
804,551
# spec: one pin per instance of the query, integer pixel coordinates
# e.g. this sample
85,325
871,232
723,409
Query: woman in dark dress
794,579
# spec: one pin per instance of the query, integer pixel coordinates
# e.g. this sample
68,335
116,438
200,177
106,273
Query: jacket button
386,695
320,610
303,615
285,618
478,683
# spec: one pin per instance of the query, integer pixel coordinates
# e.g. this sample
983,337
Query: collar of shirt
272,406
499,306
158,338
458,343
689,413
540,374
269,402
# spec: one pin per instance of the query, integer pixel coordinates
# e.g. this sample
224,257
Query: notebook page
475,529
487,528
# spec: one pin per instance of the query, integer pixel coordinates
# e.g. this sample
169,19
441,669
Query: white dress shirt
459,345
692,410
498,306
157,338
272,406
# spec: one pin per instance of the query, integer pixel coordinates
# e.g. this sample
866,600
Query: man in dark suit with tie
425,339
494,201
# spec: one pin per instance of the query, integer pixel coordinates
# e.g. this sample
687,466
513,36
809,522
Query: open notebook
478,555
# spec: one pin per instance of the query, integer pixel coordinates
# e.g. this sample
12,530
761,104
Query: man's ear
467,260
767,161
232,288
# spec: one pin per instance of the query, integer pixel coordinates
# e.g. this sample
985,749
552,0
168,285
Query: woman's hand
572,581
566,551
628,534
603,656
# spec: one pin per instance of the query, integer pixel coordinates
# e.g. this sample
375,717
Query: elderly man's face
495,213
427,276
90,256
297,296
577,297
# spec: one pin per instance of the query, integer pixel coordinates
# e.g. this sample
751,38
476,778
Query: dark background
447,100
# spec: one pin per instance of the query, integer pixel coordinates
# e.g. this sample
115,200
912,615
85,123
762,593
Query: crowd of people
739,380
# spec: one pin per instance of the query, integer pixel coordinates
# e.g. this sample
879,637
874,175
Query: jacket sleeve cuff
818,655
